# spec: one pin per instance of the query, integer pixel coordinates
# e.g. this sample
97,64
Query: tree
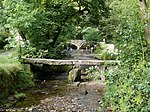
46,23
127,86
145,16
4,33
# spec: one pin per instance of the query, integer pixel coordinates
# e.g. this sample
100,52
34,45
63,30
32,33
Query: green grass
13,75
8,60
8,66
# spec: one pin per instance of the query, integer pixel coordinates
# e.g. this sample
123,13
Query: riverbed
55,94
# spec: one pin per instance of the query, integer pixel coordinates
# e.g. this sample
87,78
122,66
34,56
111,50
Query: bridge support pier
74,75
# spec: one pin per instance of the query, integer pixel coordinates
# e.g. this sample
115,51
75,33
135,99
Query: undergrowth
126,90
13,76
127,87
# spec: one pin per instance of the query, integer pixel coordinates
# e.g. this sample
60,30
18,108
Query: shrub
104,54
128,88
128,91
13,76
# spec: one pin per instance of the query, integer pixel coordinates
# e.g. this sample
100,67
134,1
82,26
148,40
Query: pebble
78,102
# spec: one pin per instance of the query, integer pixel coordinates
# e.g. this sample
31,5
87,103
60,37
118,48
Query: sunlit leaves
57,20
127,88
92,34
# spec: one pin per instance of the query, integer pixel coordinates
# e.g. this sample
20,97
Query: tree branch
59,28
22,35
56,35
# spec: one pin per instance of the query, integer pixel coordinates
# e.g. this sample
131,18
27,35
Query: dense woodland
41,28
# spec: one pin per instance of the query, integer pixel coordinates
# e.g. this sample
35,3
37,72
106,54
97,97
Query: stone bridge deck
67,62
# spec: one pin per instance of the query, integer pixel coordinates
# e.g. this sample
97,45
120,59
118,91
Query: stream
55,94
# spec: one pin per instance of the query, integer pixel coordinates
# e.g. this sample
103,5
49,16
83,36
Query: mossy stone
74,75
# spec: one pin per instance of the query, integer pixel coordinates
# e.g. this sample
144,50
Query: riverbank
14,76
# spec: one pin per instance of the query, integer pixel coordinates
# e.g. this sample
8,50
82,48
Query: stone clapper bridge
67,62
75,73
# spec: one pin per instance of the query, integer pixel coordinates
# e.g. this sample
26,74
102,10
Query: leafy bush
127,87
30,51
128,91
13,76
104,54
93,72
91,34
47,23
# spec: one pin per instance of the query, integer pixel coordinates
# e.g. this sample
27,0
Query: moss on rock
74,75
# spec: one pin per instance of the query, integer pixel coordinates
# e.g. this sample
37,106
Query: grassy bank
13,76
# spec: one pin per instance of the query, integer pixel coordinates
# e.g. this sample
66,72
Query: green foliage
47,23
24,79
20,96
8,60
129,34
59,69
92,34
93,72
127,87
104,54
33,52
127,90
13,76
4,34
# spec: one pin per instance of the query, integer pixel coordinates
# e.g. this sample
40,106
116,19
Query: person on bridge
69,50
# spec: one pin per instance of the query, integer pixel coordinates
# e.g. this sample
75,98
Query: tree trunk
145,16
59,28
56,35
22,35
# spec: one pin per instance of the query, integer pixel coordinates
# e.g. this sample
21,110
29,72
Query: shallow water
56,95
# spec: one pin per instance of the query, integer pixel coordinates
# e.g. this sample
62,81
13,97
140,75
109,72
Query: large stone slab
67,62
